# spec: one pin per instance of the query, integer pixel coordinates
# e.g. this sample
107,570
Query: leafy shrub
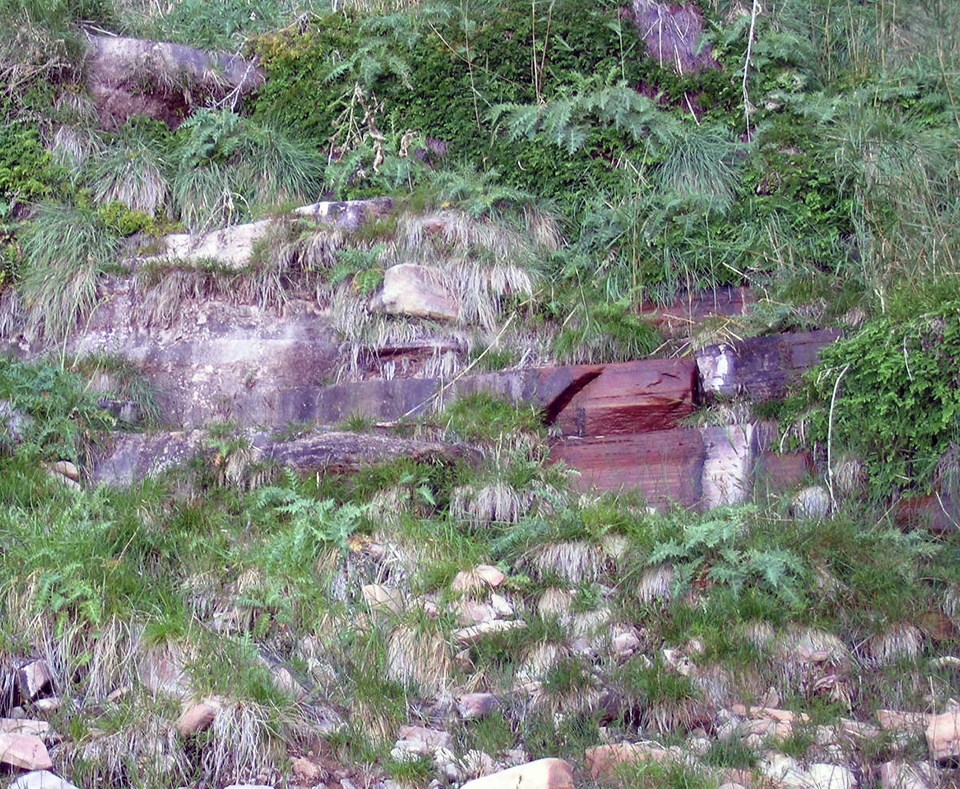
64,415
27,171
898,397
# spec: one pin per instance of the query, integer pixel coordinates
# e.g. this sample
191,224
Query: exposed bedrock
137,456
127,77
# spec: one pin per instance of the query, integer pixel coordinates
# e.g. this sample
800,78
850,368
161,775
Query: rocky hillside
481,396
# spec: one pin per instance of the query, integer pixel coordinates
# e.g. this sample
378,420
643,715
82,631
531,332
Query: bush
898,397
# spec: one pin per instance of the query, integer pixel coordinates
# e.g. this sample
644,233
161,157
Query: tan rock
307,771
907,775
541,774
418,291
25,751
476,705
24,726
67,469
900,721
196,718
470,612
943,736
382,599
604,760
490,574
466,636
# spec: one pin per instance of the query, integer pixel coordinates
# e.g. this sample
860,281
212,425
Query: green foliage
227,166
482,417
224,26
716,549
63,418
894,403
27,171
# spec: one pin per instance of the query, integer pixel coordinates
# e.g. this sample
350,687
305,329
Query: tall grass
66,249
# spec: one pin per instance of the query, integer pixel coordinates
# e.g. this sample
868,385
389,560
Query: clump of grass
66,249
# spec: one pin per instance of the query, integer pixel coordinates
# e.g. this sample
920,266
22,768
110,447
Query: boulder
690,310
127,77
907,775
25,751
541,774
137,456
728,464
811,503
417,291
13,424
24,726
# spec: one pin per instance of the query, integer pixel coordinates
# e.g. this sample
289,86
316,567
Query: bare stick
747,106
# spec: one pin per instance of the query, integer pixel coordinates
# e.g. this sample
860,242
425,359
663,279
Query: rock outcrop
127,77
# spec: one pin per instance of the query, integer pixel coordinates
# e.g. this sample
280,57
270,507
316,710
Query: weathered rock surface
25,751
141,455
196,718
665,466
674,35
234,247
760,368
128,77
417,291
635,397
907,775
541,774
24,726
728,464
685,315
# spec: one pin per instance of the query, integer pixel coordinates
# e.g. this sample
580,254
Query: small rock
35,678
604,760
476,705
306,771
503,607
900,721
831,776
625,644
24,726
907,775
380,599
943,736
541,774
67,469
197,718
466,636
490,574
51,704
418,291
421,741
470,612
811,503
41,779
25,751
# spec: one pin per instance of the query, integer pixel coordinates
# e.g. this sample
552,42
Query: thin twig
747,106
833,402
